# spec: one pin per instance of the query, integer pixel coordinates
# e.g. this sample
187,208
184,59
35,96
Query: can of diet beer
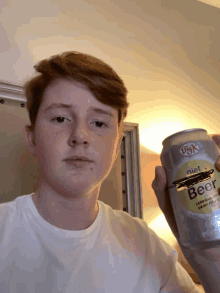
189,158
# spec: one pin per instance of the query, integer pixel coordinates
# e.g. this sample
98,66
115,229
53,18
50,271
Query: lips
78,159
77,164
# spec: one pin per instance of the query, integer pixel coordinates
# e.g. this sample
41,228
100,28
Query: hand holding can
199,212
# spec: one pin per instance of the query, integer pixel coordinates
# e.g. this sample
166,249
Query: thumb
160,178
157,170
161,189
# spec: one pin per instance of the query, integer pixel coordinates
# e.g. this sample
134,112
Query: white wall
167,52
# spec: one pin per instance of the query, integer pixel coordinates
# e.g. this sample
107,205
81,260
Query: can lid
179,132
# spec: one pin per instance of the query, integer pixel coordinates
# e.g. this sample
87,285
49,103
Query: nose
80,133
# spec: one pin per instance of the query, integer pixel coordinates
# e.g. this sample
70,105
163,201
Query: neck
77,214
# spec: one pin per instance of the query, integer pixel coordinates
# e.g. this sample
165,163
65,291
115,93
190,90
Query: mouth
77,160
77,163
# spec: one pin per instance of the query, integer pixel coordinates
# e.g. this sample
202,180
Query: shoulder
137,242
7,208
9,211
136,231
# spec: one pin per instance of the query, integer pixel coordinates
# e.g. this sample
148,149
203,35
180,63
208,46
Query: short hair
96,75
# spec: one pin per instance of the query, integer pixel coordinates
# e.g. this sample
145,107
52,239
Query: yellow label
197,185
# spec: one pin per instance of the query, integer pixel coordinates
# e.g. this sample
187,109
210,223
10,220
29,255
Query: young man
62,238
68,193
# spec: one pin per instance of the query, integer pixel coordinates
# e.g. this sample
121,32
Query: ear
28,137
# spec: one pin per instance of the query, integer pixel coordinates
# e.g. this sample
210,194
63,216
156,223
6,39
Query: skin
67,195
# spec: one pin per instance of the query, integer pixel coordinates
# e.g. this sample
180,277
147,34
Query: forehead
66,88
72,93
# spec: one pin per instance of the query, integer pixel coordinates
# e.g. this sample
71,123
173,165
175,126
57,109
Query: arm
206,264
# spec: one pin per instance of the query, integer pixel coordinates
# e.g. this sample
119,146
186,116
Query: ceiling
167,53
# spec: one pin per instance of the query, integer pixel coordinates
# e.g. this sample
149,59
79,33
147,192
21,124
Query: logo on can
189,149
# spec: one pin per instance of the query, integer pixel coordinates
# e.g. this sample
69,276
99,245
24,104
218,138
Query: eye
100,123
61,118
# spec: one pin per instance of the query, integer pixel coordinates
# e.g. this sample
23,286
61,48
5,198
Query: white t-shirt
117,253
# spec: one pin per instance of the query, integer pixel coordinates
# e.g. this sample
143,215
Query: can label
194,186
197,187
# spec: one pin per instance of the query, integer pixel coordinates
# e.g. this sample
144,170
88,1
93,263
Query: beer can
189,158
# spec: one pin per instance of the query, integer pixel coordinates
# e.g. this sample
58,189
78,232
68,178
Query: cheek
49,151
111,148
51,140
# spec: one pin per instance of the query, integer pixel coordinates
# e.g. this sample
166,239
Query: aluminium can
189,158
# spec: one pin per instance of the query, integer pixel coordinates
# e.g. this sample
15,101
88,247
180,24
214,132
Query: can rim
179,132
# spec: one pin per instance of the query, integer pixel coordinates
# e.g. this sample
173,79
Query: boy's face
54,139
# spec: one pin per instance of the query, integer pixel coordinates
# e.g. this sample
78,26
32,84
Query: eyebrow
66,106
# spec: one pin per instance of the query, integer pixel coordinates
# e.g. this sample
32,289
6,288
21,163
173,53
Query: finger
217,164
160,178
216,138
159,186
161,189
